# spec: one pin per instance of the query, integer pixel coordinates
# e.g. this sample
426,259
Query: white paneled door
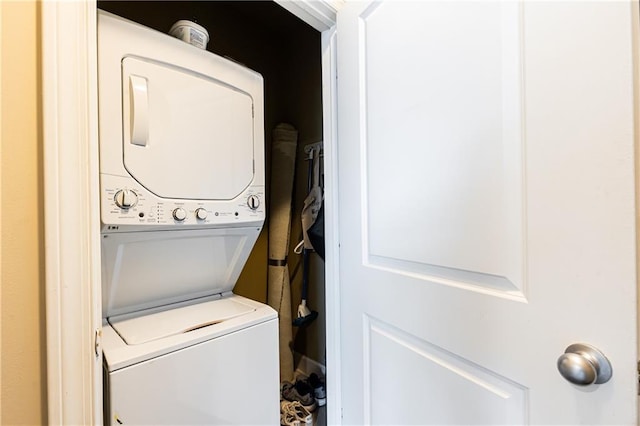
487,210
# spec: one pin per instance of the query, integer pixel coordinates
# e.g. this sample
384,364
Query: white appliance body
180,128
182,204
181,366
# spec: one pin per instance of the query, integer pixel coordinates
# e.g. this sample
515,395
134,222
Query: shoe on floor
299,392
314,385
317,384
293,413
289,419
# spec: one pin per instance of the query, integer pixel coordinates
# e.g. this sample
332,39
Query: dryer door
186,135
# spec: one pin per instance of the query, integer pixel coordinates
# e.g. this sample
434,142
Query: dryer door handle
139,110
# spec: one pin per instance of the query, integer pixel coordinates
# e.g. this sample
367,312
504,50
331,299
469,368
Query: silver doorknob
584,365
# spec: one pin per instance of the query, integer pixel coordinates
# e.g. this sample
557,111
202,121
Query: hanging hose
305,315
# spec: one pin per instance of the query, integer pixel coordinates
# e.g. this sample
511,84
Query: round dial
253,202
126,198
179,214
201,214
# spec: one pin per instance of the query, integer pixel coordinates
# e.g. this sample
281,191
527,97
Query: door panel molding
497,399
494,285
478,156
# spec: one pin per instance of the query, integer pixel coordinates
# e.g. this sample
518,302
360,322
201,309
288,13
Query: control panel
126,205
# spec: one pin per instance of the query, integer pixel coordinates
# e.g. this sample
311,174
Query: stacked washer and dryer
182,204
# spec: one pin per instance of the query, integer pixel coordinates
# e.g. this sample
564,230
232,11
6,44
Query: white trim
332,272
635,43
69,80
320,14
72,236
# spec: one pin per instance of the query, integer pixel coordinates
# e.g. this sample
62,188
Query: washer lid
137,329
143,270
186,135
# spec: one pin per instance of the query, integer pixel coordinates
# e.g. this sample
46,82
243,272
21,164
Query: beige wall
22,353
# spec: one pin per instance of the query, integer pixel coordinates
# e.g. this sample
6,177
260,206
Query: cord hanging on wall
310,211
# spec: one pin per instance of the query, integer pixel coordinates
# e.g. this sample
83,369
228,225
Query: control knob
125,198
253,202
201,214
179,214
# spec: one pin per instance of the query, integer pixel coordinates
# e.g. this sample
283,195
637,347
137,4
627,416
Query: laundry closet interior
266,38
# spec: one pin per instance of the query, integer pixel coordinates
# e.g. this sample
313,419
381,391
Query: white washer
182,204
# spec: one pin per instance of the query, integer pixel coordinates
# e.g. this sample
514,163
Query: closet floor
320,416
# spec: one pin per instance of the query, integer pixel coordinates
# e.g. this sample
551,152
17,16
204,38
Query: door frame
72,211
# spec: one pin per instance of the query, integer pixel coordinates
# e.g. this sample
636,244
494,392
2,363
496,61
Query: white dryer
182,204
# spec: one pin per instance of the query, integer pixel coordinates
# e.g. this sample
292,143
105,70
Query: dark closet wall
268,39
